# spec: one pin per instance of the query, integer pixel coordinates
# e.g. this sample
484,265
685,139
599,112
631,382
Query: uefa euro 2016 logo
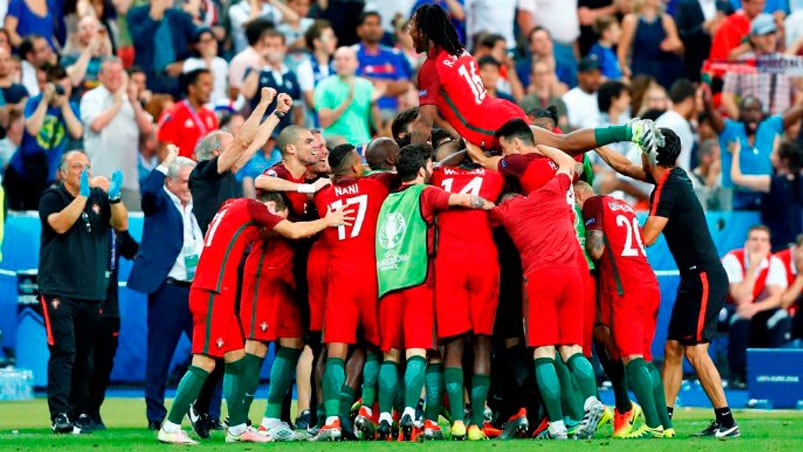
392,231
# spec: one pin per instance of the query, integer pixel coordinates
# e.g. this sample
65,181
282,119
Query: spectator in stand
162,36
793,26
706,178
49,118
405,45
386,68
240,14
683,97
322,43
205,57
454,8
541,50
189,120
754,315
495,46
138,78
697,22
490,16
581,101
546,90
271,72
792,259
490,70
346,104
35,53
560,21
249,57
125,43
734,29
776,92
12,95
782,191
29,17
755,132
294,27
83,59
653,97
588,11
5,40
609,32
650,43
113,122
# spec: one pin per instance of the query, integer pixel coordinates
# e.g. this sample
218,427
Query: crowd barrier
23,327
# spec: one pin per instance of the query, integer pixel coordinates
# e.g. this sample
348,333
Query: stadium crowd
312,174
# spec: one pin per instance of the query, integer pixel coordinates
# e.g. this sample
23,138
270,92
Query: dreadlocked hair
434,23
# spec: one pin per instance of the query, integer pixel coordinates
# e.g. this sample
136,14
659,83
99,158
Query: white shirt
559,17
492,16
220,73
672,120
775,277
306,76
116,146
193,237
389,8
29,78
581,108
793,27
239,15
709,8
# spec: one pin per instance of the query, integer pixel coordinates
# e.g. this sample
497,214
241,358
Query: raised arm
760,183
63,220
422,126
566,163
247,133
621,164
479,157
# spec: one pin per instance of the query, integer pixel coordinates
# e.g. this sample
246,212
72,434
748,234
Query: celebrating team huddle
489,249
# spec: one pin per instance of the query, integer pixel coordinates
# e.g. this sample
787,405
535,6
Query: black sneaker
384,431
728,432
347,428
304,420
516,426
199,421
61,424
214,424
97,422
419,412
84,422
406,428
711,430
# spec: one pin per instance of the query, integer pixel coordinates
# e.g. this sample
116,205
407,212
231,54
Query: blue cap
763,24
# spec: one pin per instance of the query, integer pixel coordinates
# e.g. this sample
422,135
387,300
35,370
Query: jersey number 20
632,231
361,202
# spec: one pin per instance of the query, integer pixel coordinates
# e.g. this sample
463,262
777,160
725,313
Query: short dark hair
669,152
550,113
26,46
790,152
681,90
400,123
758,227
365,15
54,72
652,114
255,28
488,59
516,128
274,33
607,92
135,70
602,23
268,196
315,31
489,40
412,158
338,157
536,30
191,78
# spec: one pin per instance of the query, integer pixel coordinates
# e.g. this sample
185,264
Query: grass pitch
23,426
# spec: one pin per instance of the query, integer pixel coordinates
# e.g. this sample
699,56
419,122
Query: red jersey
466,227
235,225
364,196
453,85
184,126
532,171
296,202
623,266
541,225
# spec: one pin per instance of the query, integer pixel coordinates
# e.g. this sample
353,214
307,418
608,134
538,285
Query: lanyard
195,118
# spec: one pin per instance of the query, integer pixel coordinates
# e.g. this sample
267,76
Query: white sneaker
279,431
593,413
250,435
179,437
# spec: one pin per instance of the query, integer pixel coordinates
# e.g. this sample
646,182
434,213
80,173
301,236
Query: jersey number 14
471,188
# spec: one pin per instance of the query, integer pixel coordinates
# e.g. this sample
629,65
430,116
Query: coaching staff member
164,268
72,279
675,210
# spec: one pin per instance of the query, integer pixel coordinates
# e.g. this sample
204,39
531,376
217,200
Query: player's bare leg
546,376
672,374
281,379
712,384
414,377
453,377
388,381
583,373
364,422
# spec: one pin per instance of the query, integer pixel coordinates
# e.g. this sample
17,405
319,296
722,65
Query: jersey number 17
361,202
